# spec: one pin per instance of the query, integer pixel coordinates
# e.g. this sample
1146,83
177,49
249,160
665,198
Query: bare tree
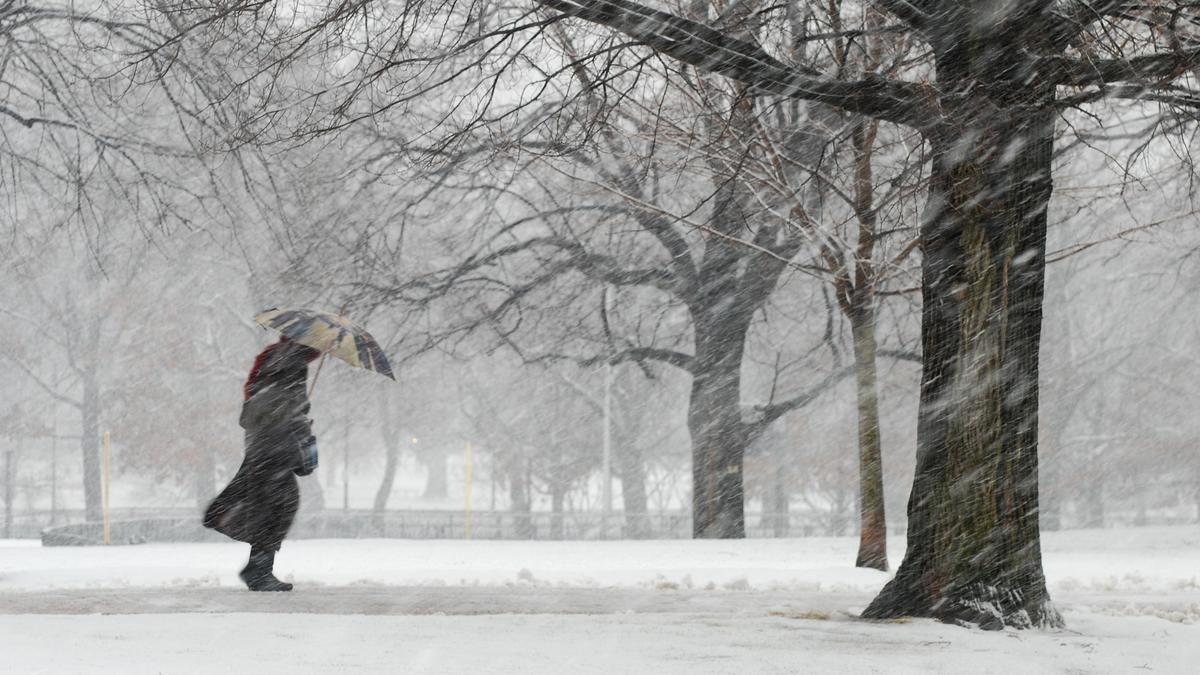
852,249
77,325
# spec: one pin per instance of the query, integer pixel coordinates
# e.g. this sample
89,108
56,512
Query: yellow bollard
468,492
107,541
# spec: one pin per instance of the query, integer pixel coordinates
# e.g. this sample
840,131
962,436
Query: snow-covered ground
1131,599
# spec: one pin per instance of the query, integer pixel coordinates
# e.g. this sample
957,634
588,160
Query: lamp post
107,539
606,471
467,491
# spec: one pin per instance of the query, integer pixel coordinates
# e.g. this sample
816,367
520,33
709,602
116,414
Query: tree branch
770,413
639,354
911,13
50,391
699,45
1151,71
899,355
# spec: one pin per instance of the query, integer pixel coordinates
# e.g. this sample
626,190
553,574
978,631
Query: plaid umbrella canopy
330,334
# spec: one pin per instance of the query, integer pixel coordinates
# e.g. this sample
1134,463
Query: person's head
284,362
291,352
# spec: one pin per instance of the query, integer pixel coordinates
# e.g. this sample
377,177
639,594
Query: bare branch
1151,71
899,355
639,354
772,412
915,12
701,46
43,385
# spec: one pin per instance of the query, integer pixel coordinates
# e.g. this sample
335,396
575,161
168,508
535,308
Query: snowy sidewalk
429,600
1159,560
1131,599
606,644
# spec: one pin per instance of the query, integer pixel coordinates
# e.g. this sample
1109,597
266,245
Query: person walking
259,504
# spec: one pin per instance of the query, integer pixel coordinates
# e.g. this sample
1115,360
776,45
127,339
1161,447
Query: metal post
53,464
468,491
606,487
107,539
606,473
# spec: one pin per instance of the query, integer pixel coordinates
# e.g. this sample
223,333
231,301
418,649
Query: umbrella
330,334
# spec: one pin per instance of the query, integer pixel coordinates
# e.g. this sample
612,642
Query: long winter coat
261,501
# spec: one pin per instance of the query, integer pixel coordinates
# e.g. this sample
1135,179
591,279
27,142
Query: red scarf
259,362
264,356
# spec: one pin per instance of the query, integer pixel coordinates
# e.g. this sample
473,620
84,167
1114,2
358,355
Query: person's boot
258,574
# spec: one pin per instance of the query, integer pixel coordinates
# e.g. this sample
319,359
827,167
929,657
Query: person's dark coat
261,501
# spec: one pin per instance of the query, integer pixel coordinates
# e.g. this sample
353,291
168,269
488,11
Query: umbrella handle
320,364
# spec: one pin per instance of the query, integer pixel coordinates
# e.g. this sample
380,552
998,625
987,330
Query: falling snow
600,335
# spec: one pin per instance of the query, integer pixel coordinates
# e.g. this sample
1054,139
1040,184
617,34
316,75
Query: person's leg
259,575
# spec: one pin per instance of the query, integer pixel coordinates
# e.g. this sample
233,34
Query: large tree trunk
974,552
718,434
732,284
872,544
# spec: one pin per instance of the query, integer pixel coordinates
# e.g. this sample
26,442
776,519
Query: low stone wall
136,531
183,525
390,524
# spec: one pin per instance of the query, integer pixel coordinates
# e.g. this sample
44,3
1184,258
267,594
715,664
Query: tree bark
974,552
872,544
718,434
